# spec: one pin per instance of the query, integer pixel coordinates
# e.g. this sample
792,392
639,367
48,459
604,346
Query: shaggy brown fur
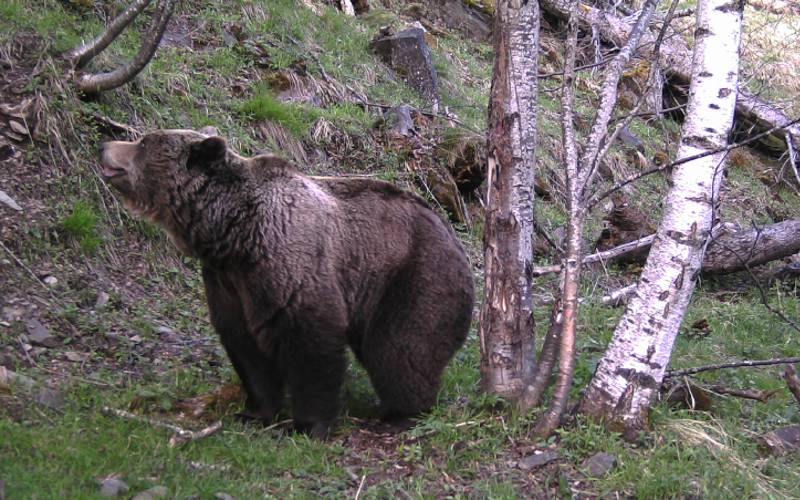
296,268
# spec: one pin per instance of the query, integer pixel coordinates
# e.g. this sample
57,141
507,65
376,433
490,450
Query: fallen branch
115,126
675,57
177,439
738,364
600,256
754,394
730,250
619,296
790,375
180,435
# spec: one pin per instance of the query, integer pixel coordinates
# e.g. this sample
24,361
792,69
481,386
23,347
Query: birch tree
506,330
581,167
631,371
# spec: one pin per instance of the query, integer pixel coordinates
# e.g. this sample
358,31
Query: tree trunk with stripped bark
506,331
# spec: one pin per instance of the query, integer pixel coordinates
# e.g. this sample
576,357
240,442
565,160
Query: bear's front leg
315,372
259,371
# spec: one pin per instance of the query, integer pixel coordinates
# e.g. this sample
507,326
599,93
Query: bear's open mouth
109,172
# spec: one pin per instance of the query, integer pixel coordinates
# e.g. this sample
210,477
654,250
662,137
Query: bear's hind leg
413,335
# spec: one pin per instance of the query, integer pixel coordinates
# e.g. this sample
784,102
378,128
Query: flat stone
599,464
154,492
51,398
76,357
537,459
409,56
39,334
9,202
223,496
399,122
111,487
18,127
781,441
102,300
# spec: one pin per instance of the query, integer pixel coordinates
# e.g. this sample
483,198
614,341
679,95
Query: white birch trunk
630,373
506,331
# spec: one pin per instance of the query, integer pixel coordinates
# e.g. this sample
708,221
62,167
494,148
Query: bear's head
159,175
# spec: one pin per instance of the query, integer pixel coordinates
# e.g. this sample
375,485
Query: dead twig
180,435
360,486
116,126
24,267
790,376
737,364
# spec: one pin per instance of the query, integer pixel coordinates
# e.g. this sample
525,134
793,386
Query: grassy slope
465,447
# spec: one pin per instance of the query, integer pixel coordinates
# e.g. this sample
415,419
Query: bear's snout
114,157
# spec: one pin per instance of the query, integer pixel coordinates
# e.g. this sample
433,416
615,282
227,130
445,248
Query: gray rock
18,127
537,459
111,487
9,202
630,140
409,56
781,441
51,398
599,464
154,492
399,122
102,300
223,496
39,334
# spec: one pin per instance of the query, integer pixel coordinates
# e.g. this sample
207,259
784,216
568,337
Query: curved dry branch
82,54
92,83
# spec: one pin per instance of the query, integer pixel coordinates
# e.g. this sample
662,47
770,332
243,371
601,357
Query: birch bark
506,331
630,373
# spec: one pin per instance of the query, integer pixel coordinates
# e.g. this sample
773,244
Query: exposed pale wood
506,329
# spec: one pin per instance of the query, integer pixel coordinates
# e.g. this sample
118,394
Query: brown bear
298,267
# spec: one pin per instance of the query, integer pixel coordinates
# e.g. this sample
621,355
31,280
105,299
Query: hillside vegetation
98,310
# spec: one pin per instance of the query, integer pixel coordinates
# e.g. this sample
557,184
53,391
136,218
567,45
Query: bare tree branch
82,54
600,256
91,83
562,326
594,200
737,364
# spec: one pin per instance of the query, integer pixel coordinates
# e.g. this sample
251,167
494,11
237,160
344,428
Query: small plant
81,225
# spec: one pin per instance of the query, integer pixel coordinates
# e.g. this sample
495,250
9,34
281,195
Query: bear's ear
207,152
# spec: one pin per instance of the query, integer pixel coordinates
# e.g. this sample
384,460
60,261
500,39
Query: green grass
81,225
469,436
294,117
